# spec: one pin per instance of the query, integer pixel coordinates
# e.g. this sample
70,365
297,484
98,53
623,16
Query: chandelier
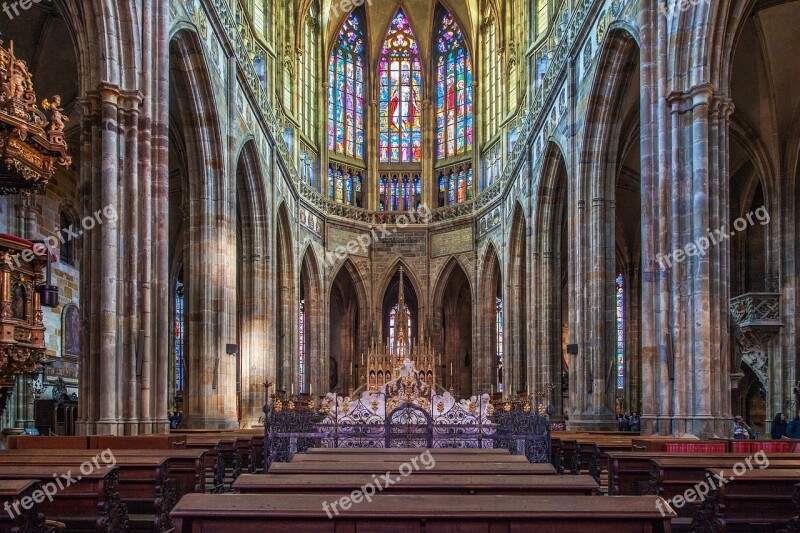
31,146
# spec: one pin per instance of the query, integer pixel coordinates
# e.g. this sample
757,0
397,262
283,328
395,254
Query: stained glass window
500,354
620,332
455,187
494,164
493,83
308,71
302,348
393,328
180,328
399,193
541,17
400,139
453,90
346,90
345,186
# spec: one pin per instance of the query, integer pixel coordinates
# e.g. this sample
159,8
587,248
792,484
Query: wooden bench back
29,442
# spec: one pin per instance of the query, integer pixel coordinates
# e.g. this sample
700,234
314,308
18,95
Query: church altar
401,404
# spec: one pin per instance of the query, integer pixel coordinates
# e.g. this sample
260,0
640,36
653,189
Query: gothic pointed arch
193,109
517,305
453,326
489,375
551,322
390,298
349,326
309,364
252,284
286,301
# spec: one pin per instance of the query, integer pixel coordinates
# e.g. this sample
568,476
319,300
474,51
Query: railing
756,309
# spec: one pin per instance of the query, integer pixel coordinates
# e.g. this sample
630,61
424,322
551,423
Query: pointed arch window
620,284
308,73
453,90
400,72
302,347
178,303
346,90
499,333
393,326
492,105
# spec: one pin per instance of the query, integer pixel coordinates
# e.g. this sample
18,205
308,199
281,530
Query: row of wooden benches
456,490
135,491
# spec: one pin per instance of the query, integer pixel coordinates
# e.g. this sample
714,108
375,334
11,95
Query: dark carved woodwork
575,463
113,512
654,487
165,499
708,517
219,472
238,464
794,524
251,459
594,464
32,521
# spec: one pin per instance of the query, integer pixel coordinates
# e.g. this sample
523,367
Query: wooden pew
756,500
557,455
661,444
221,455
144,485
673,476
389,451
404,456
455,484
380,467
26,520
29,442
250,513
630,472
90,504
137,442
186,467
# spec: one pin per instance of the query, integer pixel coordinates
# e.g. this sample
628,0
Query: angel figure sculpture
57,117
